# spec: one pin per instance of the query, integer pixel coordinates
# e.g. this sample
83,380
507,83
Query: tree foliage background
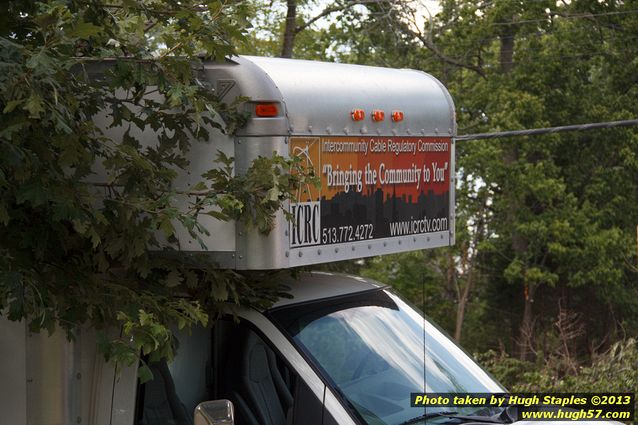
545,269
75,253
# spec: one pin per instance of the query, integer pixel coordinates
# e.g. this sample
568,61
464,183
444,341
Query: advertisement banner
371,188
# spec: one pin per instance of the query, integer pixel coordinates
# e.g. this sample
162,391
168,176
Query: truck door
230,361
263,387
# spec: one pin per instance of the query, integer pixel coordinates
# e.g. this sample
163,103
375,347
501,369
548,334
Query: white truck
343,350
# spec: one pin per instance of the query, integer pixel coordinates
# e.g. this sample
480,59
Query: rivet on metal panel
427,239
353,247
286,232
319,252
408,131
399,241
78,420
364,130
345,130
232,256
287,254
385,244
422,131
300,254
436,131
449,130
379,131
394,131
239,141
241,256
241,234
441,236
78,376
328,130
414,239
310,129
336,249
369,246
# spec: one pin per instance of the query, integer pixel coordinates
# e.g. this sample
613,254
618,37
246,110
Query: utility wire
565,16
549,130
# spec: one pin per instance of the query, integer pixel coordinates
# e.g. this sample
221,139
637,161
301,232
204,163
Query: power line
559,32
558,15
549,130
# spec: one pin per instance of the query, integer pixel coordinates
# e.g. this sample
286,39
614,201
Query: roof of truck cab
311,286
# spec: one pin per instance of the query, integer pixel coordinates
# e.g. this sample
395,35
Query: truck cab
342,350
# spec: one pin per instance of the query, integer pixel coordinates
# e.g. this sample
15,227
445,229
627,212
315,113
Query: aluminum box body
374,198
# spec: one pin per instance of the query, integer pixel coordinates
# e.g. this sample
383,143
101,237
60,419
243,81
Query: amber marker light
378,115
266,110
358,114
397,116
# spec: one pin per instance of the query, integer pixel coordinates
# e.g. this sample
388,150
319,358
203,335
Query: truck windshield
369,347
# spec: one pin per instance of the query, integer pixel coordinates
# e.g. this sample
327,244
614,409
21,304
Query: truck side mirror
215,412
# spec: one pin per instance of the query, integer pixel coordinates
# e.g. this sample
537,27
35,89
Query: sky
432,5
425,6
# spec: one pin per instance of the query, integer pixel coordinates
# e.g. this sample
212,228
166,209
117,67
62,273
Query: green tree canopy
546,225
70,255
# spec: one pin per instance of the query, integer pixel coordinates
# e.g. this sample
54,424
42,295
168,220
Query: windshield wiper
426,417
454,415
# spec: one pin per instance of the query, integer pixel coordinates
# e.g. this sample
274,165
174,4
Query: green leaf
173,279
220,291
144,373
166,226
199,187
80,226
95,238
11,105
35,105
217,215
85,30
34,193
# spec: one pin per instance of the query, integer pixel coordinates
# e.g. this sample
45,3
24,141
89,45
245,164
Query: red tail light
266,110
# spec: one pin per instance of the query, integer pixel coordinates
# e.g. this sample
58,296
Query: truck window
231,361
370,348
177,386
261,385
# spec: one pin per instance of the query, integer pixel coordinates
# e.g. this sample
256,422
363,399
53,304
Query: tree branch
328,11
429,44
